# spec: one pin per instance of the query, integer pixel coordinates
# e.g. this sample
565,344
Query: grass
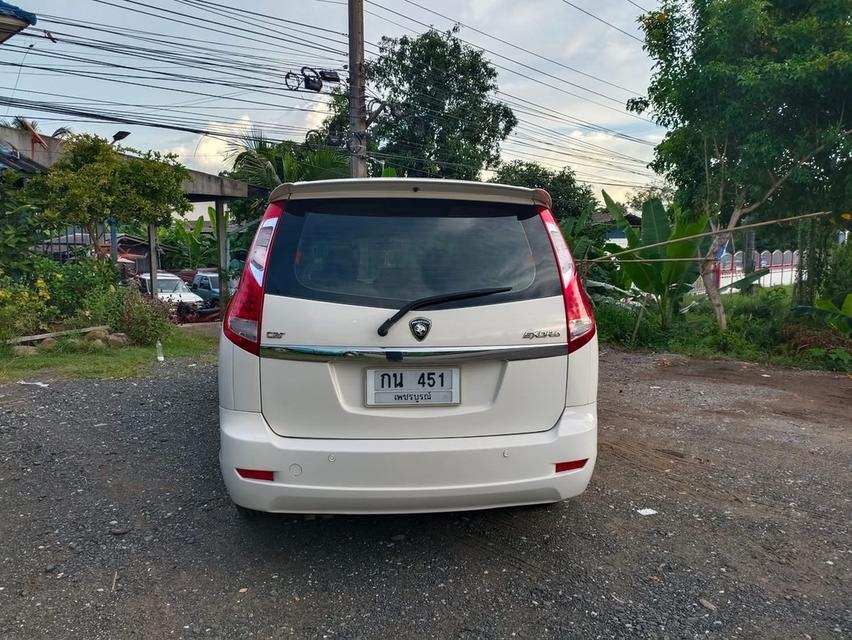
74,358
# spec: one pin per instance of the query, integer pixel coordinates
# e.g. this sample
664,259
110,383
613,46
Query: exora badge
542,333
420,328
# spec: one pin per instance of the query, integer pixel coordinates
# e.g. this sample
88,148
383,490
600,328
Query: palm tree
265,163
20,122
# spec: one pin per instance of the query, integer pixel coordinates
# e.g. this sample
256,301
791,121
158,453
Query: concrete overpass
32,152
199,187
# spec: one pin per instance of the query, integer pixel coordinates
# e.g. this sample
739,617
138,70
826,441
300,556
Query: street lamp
113,228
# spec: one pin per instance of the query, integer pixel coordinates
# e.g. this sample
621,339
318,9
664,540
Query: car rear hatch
490,364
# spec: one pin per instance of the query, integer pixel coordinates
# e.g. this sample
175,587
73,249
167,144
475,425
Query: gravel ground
114,523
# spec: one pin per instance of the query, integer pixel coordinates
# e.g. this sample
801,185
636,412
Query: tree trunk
708,277
92,230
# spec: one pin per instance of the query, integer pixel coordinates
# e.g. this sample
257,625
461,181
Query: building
13,20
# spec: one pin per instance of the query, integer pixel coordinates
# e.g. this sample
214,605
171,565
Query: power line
155,37
520,48
708,234
599,19
174,58
150,86
622,111
168,76
580,123
300,41
263,15
640,7
144,53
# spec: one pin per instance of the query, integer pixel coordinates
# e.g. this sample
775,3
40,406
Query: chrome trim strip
312,353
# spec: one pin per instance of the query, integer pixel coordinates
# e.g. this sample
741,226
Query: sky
571,104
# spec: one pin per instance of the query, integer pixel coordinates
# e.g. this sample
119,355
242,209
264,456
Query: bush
69,283
24,309
837,282
125,309
616,323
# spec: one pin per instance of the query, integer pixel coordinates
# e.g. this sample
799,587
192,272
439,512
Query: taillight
578,307
241,324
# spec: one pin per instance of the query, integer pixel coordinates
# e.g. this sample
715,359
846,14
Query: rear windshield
385,252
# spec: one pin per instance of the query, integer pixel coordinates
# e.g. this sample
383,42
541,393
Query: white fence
782,267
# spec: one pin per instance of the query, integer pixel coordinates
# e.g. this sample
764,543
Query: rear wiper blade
446,297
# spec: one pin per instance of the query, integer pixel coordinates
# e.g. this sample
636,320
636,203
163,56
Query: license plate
405,387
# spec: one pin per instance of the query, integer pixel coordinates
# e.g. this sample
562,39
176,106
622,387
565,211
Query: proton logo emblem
420,328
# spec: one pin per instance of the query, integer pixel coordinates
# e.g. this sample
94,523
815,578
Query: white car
170,289
402,345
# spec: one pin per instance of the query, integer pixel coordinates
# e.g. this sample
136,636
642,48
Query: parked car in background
407,345
170,289
205,284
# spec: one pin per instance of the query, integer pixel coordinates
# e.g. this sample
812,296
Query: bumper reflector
571,465
255,474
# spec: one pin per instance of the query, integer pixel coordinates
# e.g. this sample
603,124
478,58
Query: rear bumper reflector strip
571,465
256,474
424,354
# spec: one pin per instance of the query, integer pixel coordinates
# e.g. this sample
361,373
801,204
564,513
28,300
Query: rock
97,344
50,568
118,340
119,531
48,344
707,604
671,360
97,334
24,350
398,538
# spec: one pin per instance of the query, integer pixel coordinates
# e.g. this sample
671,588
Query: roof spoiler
411,187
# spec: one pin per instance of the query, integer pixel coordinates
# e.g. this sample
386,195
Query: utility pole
153,259
223,254
357,102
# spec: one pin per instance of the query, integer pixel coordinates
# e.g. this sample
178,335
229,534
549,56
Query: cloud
209,153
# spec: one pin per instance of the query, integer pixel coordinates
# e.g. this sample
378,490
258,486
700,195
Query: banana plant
665,272
198,250
838,318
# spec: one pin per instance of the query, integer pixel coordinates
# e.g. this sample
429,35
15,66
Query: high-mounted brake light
242,321
578,307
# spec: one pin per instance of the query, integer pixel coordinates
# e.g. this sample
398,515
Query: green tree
265,163
439,118
570,197
20,227
756,97
573,201
94,181
638,197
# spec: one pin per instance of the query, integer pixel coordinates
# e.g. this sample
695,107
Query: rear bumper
405,476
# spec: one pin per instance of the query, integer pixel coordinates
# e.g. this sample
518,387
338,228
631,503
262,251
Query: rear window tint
385,252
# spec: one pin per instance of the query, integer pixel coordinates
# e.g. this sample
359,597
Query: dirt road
114,523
